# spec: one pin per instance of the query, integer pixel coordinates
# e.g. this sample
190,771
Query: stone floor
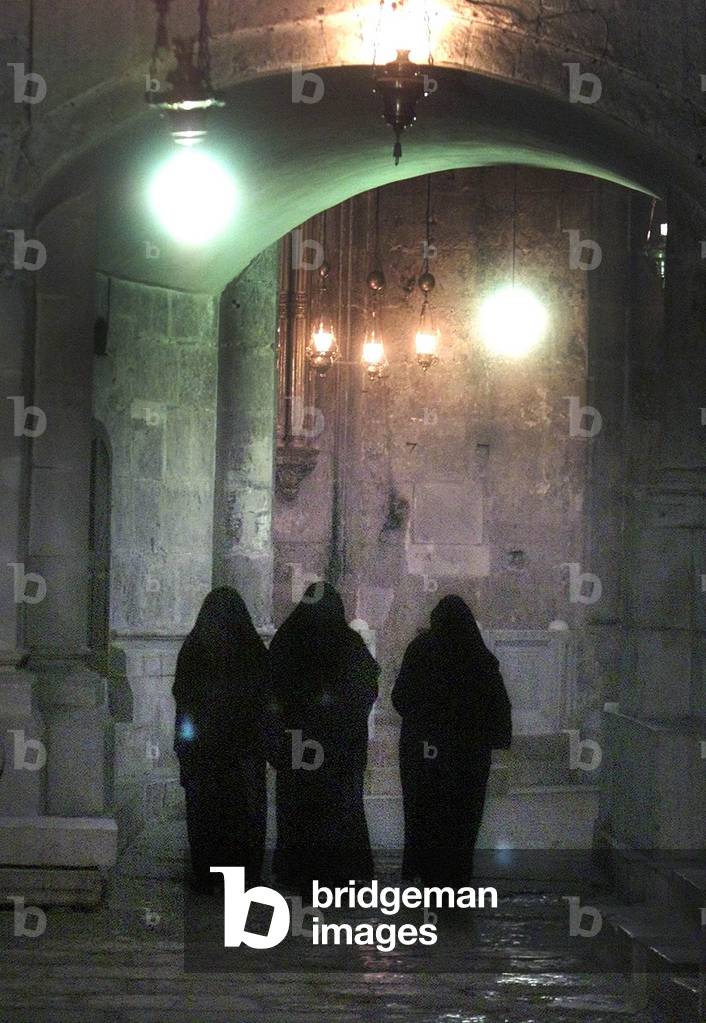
123,963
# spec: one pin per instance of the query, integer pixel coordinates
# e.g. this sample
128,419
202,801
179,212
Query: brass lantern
374,358
322,350
401,85
426,341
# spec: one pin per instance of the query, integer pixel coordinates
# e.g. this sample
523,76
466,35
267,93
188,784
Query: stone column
243,554
21,727
73,697
656,788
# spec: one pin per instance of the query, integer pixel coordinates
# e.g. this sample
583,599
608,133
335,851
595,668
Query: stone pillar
243,554
656,788
73,697
21,726
53,721
668,494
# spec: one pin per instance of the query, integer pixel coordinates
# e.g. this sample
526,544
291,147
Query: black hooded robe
454,709
222,690
325,684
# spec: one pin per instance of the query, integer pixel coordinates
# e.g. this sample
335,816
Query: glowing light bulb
393,25
323,339
374,356
193,196
373,352
426,344
512,321
322,350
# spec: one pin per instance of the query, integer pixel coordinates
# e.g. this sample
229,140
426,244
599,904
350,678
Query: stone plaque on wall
539,670
447,512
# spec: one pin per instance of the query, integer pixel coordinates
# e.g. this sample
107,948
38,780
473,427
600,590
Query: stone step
659,949
51,886
55,861
532,817
47,841
688,889
508,770
666,878
526,773
653,928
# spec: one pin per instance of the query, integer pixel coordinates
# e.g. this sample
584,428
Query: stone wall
155,394
465,477
471,477
245,457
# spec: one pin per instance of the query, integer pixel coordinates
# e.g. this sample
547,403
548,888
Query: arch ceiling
291,160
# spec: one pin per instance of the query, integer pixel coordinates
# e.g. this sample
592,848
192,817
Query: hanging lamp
426,341
400,83
190,95
322,350
513,320
373,356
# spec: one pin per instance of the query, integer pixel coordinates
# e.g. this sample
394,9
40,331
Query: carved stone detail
294,463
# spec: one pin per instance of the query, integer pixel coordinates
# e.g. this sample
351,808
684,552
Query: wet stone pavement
124,963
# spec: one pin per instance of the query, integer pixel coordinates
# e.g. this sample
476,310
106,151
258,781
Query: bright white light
413,25
373,352
323,339
193,196
512,321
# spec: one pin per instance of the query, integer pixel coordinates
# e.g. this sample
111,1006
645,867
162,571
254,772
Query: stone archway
651,89
500,103
291,160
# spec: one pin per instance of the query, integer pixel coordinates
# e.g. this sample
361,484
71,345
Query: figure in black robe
325,684
223,697
454,709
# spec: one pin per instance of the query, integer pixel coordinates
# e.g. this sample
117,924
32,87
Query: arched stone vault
293,159
511,104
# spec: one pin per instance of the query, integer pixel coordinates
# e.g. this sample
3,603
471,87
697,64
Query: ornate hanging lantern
401,85
426,341
373,355
374,358
190,94
322,350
